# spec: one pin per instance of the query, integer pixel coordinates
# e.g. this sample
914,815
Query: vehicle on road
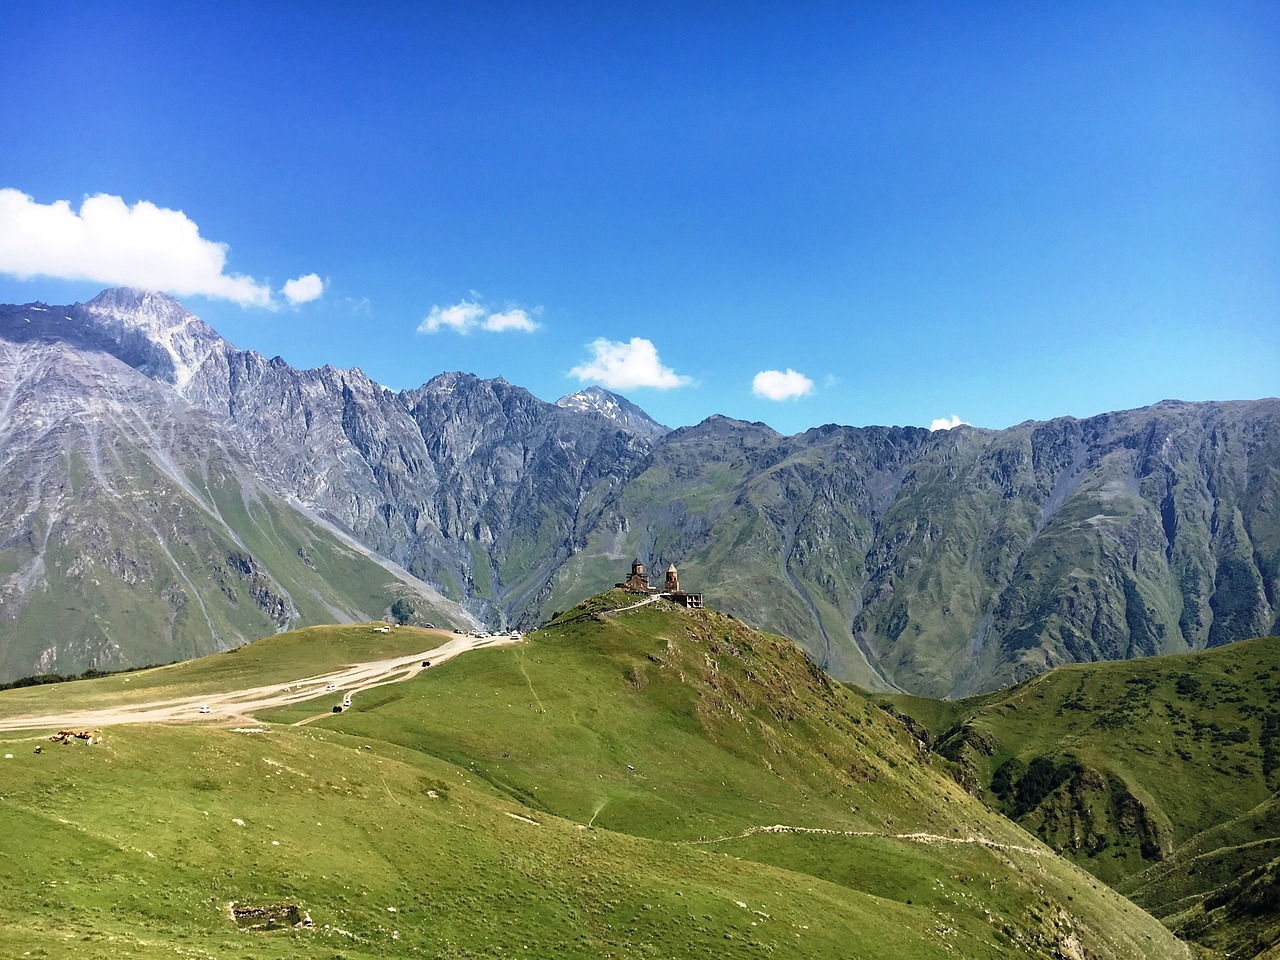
332,686
206,710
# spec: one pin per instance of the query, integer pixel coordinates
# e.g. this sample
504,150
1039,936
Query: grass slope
1157,775
598,791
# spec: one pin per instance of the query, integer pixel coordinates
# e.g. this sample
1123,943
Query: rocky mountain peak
611,406
156,334
130,301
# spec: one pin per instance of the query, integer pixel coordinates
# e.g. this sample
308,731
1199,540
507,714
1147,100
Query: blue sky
896,212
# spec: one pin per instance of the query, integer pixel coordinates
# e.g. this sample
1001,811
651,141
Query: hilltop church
638,582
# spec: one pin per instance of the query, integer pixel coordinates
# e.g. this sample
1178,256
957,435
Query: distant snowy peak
156,333
622,411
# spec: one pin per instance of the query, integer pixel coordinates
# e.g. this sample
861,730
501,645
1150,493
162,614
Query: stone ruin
269,916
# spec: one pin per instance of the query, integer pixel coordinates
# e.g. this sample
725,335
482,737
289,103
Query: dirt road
240,705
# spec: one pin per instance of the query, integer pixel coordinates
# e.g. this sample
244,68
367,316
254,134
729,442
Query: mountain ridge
939,563
136,532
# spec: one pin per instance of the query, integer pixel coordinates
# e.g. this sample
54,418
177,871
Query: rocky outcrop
1078,809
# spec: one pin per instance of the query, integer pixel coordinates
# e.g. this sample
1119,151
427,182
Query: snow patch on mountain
611,406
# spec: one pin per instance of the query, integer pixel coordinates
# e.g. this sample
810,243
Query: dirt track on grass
239,706
909,837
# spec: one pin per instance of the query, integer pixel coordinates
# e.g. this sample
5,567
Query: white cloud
513,319
947,423
467,315
781,385
303,289
623,366
110,242
462,317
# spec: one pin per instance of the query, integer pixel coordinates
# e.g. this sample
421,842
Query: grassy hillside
1222,888
654,782
1157,775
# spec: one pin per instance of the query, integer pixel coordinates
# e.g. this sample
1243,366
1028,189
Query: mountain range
175,495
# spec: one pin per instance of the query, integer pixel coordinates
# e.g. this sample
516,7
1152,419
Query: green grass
1157,775
640,743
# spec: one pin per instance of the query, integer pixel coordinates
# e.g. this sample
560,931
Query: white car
332,686
206,710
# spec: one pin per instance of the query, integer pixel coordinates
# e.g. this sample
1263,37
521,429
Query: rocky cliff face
474,485
941,563
134,529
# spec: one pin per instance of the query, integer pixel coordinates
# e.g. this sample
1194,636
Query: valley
1062,611
640,482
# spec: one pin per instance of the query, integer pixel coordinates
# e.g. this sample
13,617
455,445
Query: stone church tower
638,582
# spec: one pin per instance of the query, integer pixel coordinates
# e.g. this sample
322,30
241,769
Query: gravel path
909,837
240,705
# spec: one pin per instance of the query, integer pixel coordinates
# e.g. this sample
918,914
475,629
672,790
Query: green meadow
602,789
1157,775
